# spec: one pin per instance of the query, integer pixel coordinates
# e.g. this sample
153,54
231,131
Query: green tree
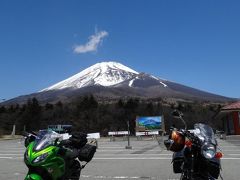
31,117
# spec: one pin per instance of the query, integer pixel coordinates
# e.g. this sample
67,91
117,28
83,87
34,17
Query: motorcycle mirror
168,143
28,139
33,133
177,114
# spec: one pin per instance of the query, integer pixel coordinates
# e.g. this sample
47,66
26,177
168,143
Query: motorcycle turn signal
188,144
218,155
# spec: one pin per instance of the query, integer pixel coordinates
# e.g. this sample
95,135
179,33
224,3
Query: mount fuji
103,74
113,80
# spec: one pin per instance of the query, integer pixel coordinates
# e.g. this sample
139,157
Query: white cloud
93,43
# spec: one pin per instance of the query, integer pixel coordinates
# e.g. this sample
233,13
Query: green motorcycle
48,157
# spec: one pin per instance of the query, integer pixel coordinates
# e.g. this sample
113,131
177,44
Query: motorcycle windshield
45,139
205,133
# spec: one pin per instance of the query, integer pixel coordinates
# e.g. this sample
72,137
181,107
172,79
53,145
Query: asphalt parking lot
146,160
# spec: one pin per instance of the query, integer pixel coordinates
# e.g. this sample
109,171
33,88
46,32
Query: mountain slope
112,80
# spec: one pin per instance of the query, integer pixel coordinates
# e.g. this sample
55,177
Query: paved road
146,161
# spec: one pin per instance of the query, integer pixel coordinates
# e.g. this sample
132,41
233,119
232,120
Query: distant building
230,115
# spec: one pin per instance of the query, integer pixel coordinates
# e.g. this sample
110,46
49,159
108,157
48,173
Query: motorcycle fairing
205,133
33,177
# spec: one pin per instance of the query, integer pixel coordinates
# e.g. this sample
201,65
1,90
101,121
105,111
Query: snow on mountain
159,81
163,84
144,80
104,74
131,82
114,80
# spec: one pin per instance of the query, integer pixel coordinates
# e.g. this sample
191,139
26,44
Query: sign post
14,130
128,146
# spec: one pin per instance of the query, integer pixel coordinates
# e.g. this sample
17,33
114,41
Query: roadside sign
148,123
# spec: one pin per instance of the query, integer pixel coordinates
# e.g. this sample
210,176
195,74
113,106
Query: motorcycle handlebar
27,134
192,137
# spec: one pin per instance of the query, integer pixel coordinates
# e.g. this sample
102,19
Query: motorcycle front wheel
184,177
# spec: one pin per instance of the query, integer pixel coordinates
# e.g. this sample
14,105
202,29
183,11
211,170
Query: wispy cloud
92,44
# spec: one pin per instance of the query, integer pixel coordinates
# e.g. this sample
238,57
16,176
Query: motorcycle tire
195,178
177,166
77,171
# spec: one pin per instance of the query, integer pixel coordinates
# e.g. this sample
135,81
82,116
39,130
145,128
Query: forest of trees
86,114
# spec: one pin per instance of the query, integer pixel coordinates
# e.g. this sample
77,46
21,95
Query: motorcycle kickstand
83,166
221,176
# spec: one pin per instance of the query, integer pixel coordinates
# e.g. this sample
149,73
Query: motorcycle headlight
208,151
40,158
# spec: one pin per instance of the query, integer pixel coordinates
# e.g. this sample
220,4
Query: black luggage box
87,152
177,161
78,140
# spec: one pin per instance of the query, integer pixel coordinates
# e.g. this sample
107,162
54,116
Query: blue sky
196,43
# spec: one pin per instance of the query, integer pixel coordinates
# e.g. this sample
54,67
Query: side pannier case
87,152
177,161
78,140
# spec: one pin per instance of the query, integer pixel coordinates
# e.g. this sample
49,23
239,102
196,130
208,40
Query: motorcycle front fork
192,167
188,174
188,171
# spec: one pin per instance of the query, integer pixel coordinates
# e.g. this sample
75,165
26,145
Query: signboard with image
150,123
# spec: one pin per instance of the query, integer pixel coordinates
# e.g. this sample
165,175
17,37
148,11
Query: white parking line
6,157
11,154
12,151
12,148
134,154
131,158
19,157
126,150
147,158
108,147
124,158
143,154
116,177
127,158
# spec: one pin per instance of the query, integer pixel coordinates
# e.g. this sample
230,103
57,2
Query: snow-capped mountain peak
112,80
104,74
